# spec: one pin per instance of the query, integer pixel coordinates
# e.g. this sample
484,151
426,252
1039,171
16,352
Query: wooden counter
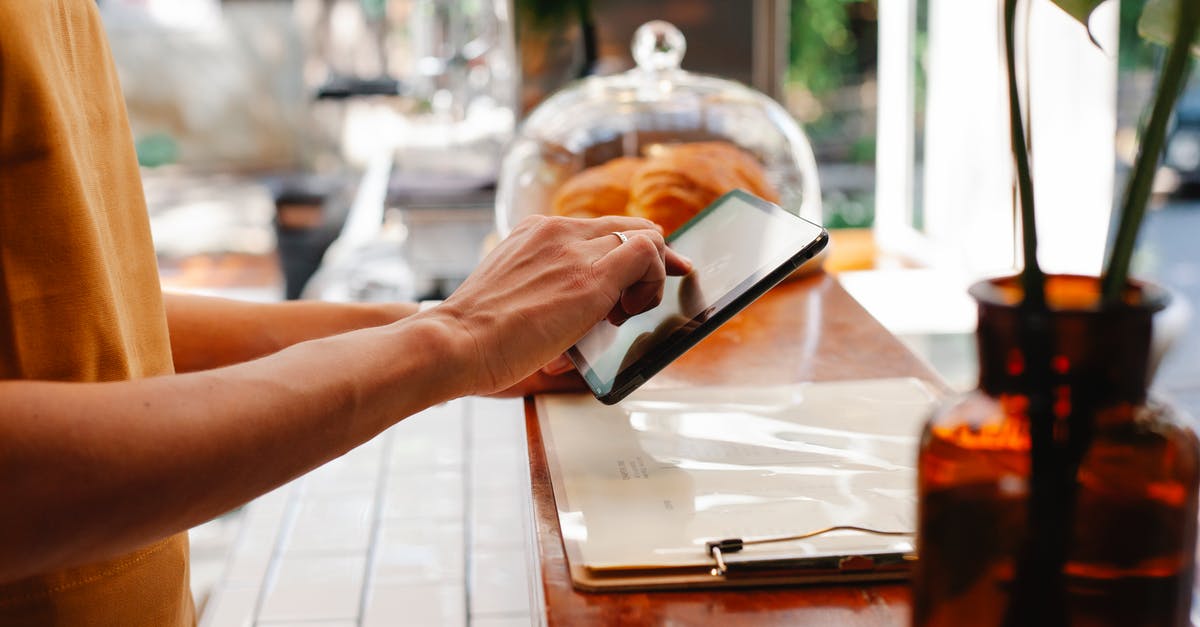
806,330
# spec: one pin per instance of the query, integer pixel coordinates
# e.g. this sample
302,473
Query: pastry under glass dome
652,107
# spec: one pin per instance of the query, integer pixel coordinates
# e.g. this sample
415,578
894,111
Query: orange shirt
79,292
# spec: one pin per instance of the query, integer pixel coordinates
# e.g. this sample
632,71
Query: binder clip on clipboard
847,563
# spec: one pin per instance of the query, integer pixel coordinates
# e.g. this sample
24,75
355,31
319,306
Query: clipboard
737,486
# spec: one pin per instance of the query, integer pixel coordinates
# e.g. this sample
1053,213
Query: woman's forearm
91,470
208,332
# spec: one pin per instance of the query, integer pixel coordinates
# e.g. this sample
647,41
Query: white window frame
967,173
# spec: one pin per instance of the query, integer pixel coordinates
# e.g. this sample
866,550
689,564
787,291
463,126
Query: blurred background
257,121
259,124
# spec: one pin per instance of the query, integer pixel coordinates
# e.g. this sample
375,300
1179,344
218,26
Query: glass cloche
656,142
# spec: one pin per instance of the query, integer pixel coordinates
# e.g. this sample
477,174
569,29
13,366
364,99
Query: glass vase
1057,493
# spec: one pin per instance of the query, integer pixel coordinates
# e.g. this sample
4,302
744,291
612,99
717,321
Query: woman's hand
547,284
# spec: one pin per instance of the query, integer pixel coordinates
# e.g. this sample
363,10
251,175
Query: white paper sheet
646,483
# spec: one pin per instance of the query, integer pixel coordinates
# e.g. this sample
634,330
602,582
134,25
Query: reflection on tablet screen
731,247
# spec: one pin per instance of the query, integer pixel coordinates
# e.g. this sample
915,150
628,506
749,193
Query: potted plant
1057,492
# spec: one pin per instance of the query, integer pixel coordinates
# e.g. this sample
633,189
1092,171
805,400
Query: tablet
740,247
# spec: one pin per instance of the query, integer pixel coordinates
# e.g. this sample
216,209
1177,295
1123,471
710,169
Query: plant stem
1033,280
1137,192
1039,592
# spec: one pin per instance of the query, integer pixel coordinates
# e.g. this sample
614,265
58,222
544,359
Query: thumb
558,365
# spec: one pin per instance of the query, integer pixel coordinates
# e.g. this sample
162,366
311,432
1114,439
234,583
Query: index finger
677,264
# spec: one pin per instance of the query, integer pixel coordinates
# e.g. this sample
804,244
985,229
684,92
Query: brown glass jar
1121,521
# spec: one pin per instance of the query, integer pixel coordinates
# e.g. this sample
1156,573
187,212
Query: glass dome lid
657,142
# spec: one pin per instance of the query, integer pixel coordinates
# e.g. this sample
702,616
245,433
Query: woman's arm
93,470
209,332
90,470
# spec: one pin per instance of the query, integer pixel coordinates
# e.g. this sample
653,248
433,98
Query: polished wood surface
805,330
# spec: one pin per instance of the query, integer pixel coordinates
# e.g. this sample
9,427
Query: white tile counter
427,524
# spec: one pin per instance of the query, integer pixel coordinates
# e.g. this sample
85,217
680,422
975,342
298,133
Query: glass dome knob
658,46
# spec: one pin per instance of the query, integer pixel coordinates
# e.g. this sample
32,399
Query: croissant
669,187
681,180
597,191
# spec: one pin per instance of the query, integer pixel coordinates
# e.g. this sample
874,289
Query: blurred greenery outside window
830,87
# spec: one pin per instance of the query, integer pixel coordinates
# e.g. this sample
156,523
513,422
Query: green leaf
1158,23
1079,9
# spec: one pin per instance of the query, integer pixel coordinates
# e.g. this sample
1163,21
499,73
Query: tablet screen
736,242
